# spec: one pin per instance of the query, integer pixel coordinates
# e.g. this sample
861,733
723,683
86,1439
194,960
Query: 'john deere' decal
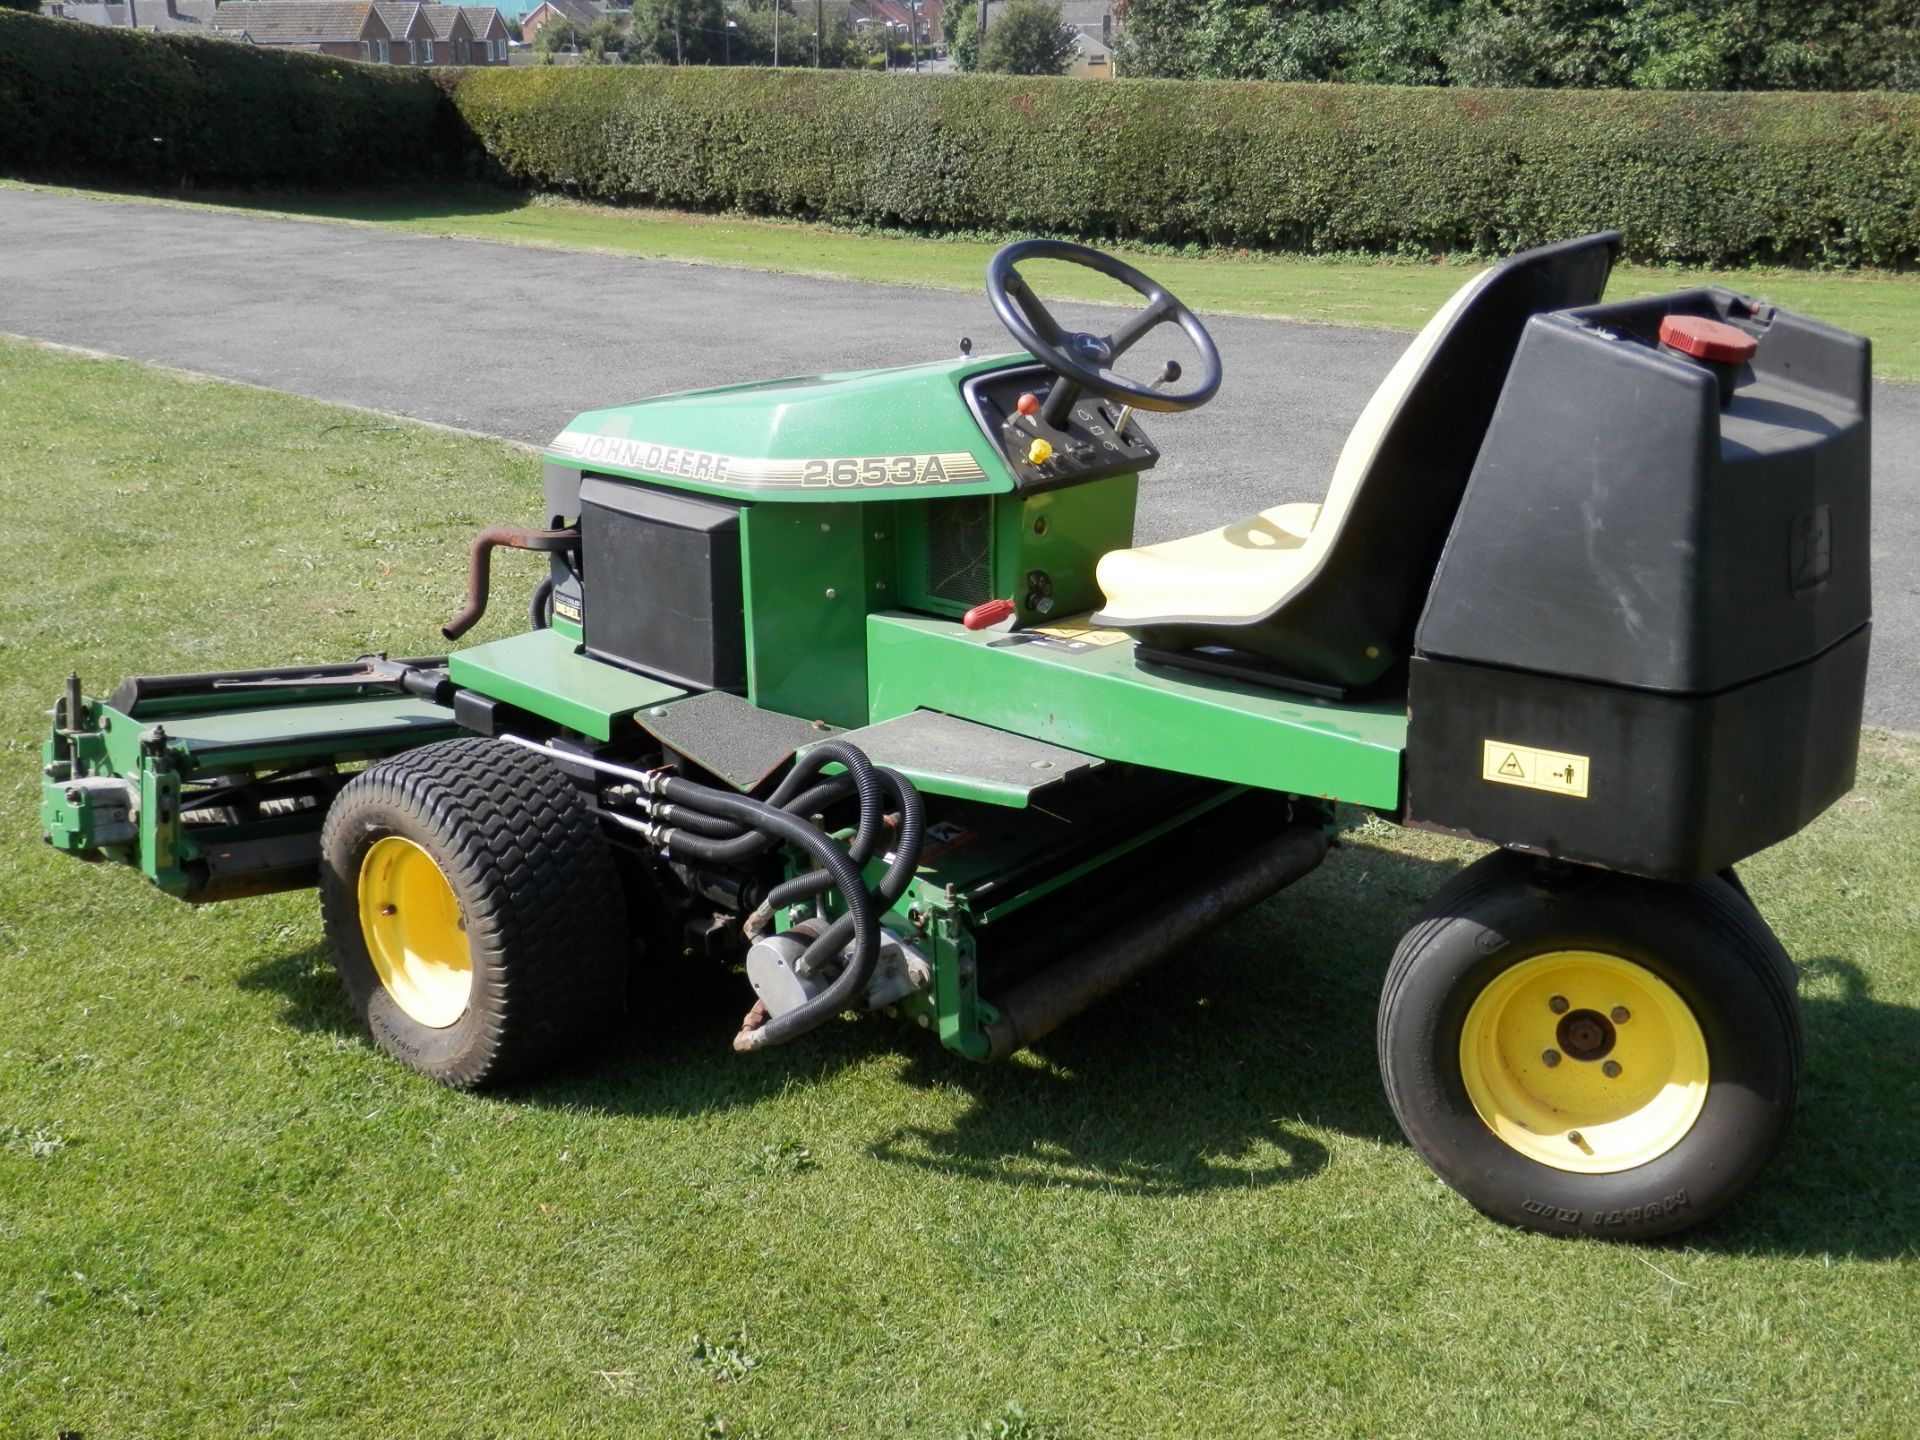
845,472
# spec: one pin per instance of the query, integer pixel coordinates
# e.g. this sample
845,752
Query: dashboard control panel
1009,405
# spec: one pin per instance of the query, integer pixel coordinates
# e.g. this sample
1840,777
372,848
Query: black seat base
1231,664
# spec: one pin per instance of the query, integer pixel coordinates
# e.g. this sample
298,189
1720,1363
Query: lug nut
1621,1015
389,910
1611,1069
1558,1004
1550,1058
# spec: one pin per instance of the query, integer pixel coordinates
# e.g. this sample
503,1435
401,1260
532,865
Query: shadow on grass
1212,1070
1208,1072
1847,1181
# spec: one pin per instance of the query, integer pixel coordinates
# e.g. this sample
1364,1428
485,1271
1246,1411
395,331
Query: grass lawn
222,1213
1400,294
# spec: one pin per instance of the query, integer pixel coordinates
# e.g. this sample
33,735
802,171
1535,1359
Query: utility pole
678,59
819,29
776,33
980,35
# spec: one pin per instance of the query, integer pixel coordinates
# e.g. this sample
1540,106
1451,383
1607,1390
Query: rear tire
473,911
1504,1064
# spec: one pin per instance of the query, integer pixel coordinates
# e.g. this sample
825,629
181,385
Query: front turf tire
473,911
1624,1131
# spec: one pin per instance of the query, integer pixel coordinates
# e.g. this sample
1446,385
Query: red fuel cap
990,612
1706,339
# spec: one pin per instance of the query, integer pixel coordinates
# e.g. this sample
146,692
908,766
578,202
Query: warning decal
1078,632
1552,770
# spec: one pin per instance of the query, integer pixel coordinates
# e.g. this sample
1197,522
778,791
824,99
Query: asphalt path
515,341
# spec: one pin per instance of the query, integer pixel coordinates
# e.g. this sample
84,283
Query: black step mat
729,736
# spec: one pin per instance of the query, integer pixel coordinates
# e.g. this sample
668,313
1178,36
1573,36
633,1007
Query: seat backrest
1404,469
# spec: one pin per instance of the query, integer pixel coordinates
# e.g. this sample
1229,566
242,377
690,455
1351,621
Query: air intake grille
960,549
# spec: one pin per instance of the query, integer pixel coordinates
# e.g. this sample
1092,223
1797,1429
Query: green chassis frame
841,628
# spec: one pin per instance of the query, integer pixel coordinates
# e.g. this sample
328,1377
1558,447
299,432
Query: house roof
581,12
403,22
292,22
483,20
445,20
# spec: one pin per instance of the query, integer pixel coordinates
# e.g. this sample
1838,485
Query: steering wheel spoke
1087,361
1038,316
1124,338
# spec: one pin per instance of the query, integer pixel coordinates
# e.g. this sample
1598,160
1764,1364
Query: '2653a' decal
844,472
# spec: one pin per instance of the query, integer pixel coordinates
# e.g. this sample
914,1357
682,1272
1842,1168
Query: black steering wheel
1087,360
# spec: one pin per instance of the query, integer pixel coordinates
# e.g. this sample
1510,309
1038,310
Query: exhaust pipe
480,567
1042,1002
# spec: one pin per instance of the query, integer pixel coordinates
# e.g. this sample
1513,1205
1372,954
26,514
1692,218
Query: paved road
516,341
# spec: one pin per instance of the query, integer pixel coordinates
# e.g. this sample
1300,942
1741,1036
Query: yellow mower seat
1330,593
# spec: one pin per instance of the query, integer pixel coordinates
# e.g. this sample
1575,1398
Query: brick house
371,30
466,34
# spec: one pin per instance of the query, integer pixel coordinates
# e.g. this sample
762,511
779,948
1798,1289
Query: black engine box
661,572
1645,645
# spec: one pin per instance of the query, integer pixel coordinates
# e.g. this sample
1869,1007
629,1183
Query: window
422,51
366,49
499,48
459,52
382,52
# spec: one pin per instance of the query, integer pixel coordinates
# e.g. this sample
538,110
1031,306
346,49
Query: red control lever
988,612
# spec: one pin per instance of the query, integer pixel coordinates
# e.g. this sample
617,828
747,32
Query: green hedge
1719,178
80,102
1722,179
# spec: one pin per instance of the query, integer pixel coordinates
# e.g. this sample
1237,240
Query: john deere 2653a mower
857,683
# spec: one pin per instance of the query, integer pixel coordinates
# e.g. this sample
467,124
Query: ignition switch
1039,592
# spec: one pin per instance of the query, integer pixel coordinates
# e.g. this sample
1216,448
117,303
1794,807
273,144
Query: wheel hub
1584,1061
1585,1035
415,933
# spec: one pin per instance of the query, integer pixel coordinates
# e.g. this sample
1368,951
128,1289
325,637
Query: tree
678,32
558,34
1637,44
1027,37
960,28
606,41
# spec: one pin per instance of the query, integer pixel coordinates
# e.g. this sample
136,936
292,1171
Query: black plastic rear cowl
1674,594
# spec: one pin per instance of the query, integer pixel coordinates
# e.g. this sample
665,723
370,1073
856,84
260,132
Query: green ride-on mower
857,683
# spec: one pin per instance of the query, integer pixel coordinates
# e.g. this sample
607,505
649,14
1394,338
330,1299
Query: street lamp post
727,41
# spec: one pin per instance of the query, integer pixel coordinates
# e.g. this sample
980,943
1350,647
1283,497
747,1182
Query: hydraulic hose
711,826
705,836
906,843
864,919
714,827
852,978
906,859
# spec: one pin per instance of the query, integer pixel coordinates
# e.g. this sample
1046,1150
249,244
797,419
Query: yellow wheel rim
1585,1062
415,933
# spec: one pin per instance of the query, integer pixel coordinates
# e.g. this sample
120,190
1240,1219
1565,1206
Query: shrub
1712,178
84,102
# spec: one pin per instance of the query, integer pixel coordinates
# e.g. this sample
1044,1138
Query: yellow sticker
1080,631
1551,770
